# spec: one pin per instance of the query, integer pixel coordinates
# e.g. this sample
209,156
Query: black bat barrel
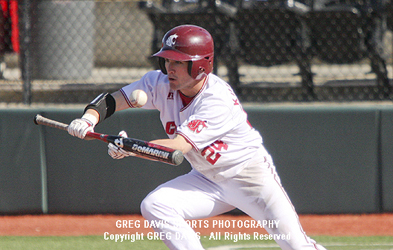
148,150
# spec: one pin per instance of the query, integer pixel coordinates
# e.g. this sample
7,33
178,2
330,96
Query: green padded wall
326,157
386,171
331,159
20,165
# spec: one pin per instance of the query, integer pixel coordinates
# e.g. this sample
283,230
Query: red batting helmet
188,43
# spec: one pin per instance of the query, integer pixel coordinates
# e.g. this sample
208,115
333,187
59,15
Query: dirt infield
74,225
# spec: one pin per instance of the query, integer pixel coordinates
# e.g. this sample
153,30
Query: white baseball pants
257,191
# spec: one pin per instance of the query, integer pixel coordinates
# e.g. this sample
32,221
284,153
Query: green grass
98,242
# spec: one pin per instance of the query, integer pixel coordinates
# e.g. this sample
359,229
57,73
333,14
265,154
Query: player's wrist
90,118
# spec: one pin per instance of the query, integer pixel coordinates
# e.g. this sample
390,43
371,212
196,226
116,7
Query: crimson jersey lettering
211,153
196,125
170,128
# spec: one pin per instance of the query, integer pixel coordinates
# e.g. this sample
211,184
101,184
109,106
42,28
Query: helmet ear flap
161,63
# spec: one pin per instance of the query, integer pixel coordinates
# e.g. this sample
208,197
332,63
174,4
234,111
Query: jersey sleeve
207,125
150,84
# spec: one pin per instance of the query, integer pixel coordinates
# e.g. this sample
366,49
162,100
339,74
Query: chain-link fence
268,50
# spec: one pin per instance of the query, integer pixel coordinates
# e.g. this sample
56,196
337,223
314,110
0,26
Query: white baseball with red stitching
138,98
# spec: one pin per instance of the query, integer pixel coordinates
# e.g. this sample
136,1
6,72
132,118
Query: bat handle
39,119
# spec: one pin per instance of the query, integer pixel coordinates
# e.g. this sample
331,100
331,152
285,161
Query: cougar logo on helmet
171,40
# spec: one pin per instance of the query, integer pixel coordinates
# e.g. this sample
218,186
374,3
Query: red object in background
10,12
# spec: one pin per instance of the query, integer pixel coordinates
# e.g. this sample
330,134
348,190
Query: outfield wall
331,159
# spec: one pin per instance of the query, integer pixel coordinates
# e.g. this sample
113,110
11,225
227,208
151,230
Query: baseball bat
142,149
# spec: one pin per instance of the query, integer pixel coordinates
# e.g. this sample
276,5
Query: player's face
179,79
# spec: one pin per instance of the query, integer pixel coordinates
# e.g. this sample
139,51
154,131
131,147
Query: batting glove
79,127
118,153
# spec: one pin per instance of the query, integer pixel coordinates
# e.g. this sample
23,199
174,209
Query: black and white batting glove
79,127
118,153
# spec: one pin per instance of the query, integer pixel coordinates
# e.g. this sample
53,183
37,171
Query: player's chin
174,85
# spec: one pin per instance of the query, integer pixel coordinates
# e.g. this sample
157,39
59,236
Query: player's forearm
178,143
119,104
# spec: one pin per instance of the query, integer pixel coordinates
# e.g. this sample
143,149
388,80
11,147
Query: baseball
138,98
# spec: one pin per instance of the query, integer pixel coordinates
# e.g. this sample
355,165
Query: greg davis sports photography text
216,229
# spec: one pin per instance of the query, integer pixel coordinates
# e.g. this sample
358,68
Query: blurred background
268,50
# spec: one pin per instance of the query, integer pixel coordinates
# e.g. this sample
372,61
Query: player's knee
146,206
152,207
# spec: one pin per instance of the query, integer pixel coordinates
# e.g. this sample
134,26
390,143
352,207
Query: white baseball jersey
225,146
213,122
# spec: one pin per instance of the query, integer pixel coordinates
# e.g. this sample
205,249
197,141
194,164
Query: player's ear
201,71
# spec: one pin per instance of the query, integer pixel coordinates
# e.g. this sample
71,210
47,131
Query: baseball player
205,120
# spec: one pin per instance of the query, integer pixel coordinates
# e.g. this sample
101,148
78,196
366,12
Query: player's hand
79,127
118,153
